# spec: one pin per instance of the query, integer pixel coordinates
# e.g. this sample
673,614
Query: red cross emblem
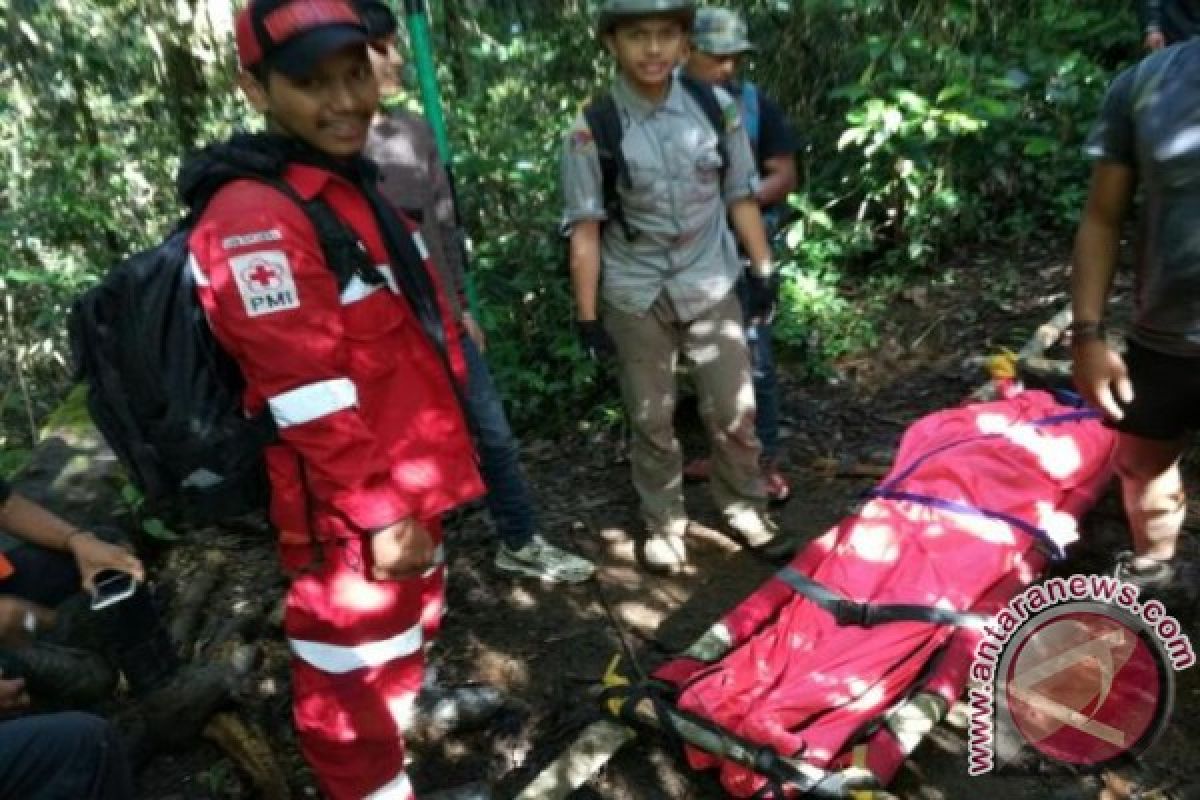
261,276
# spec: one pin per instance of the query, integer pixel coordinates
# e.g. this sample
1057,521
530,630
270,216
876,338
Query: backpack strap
706,96
605,123
345,254
751,113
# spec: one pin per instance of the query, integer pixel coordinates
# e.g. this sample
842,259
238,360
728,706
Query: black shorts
1166,394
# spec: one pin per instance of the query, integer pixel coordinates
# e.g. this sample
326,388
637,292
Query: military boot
60,677
174,714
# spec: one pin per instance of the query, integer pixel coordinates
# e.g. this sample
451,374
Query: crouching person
73,658
361,370
67,756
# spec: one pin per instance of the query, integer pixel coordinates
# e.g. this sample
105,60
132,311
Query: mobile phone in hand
111,587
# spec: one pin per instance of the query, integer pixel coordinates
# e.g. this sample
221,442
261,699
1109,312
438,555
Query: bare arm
34,524
585,267
748,225
1100,374
1097,243
778,181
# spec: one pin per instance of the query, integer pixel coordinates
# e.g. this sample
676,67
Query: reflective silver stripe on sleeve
313,401
197,274
419,241
339,659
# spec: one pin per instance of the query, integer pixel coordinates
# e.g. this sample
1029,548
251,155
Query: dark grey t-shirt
1150,122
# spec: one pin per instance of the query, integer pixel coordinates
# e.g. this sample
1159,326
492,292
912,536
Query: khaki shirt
412,178
684,244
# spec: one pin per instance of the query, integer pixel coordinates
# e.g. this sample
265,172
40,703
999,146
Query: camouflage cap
720,32
611,11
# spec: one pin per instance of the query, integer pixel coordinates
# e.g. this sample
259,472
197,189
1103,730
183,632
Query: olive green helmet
720,32
613,11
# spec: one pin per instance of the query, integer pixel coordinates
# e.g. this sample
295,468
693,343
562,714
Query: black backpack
162,392
607,132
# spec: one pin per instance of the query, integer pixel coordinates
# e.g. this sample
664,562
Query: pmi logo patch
265,282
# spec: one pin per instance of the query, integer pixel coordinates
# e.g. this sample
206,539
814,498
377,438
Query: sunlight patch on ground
640,615
521,598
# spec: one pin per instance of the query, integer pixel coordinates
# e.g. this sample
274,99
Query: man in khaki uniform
669,271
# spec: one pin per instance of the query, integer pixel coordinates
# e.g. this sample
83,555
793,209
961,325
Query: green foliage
507,128
135,507
963,124
98,101
929,126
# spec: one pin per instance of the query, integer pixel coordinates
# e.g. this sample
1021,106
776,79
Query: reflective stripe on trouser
357,664
648,348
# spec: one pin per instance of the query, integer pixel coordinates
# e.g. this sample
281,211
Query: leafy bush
929,125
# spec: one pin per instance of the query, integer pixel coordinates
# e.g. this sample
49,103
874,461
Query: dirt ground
547,646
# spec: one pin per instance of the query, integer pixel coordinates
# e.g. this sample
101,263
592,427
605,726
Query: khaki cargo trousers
649,347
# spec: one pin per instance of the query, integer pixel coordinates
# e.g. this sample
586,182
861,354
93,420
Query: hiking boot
60,676
540,559
753,527
697,470
458,709
665,552
470,791
174,715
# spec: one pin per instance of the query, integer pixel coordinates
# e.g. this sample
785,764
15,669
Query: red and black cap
294,35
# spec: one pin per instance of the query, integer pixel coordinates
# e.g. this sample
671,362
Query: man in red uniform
361,374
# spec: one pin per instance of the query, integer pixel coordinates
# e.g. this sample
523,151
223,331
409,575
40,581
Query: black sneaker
1148,576
1173,583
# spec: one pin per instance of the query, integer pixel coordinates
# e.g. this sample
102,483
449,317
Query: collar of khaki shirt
638,107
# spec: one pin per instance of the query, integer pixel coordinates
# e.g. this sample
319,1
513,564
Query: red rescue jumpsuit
371,433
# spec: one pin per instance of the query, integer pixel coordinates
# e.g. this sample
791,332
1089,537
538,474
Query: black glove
597,344
762,295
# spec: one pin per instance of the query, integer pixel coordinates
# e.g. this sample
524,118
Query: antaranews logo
1076,668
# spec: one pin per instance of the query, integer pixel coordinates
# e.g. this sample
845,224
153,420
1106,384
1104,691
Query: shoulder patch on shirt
265,282
581,141
247,239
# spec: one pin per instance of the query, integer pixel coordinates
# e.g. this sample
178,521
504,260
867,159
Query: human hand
20,620
597,344
762,296
1101,377
93,555
474,330
403,549
13,696
1154,41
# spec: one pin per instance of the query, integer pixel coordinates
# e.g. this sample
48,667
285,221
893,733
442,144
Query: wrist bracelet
1083,330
